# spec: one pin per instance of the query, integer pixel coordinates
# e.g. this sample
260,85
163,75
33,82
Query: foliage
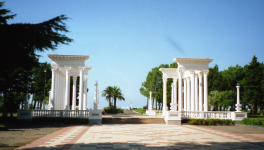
112,110
253,84
145,107
108,94
248,121
154,83
20,42
117,94
210,121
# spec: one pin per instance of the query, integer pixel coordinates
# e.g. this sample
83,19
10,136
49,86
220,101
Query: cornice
192,60
57,56
168,69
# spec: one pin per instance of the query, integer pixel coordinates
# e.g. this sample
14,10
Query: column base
24,114
238,115
151,113
95,116
173,118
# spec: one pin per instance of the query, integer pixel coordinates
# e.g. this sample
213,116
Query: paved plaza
145,136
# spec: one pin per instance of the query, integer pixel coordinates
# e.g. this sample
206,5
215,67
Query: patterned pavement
145,136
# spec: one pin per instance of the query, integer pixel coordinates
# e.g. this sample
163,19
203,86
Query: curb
248,126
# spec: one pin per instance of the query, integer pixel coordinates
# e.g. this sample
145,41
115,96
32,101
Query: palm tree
108,94
117,94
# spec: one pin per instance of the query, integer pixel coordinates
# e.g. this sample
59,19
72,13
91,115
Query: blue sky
126,38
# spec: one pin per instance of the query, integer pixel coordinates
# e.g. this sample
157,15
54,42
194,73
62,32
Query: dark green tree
253,84
19,44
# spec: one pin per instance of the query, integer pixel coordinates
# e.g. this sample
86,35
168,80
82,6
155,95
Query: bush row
61,120
248,121
113,110
210,121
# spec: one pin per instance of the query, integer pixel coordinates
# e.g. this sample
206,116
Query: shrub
192,122
145,107
248,121
112,110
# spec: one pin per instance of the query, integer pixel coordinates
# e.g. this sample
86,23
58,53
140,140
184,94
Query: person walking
105,112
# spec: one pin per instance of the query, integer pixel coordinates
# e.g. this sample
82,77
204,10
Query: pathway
145,136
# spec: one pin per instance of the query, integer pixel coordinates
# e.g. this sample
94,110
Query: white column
150,100
67,89
192,90
85,93
53,83
205,91
200,92
188,94
96,102
185,94
164,96
74,93
175,93
196,92
57,90
49,100
180,90
238,105
81,69
172,104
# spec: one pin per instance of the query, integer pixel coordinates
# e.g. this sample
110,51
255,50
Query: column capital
192,72
164,79
54,68
196,76
81,69
200,74
68,69
205,72
181,72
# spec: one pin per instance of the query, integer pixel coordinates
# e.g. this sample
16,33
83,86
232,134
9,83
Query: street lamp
44,89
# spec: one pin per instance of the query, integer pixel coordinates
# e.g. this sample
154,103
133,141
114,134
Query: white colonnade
191,78
63,67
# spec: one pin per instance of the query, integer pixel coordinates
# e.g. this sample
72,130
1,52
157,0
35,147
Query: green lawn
8,115
256,117
140,110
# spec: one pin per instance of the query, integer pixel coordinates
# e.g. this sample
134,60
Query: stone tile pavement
145,136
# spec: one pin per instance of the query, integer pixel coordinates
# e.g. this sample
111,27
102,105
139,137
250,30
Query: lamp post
44,90
238,105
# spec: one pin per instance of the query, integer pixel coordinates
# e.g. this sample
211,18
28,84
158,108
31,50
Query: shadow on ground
171,145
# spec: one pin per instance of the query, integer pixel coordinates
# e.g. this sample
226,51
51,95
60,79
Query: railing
61,113
206,115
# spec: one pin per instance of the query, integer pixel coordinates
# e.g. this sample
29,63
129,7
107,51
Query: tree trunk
40,104
115,102
152,103
255,110
109,102
261,109
34,104
161,106
4,107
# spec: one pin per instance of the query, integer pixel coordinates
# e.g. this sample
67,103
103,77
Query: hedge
111,110
210,121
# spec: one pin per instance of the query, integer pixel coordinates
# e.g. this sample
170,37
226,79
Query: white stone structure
190,70
64,66
191,96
